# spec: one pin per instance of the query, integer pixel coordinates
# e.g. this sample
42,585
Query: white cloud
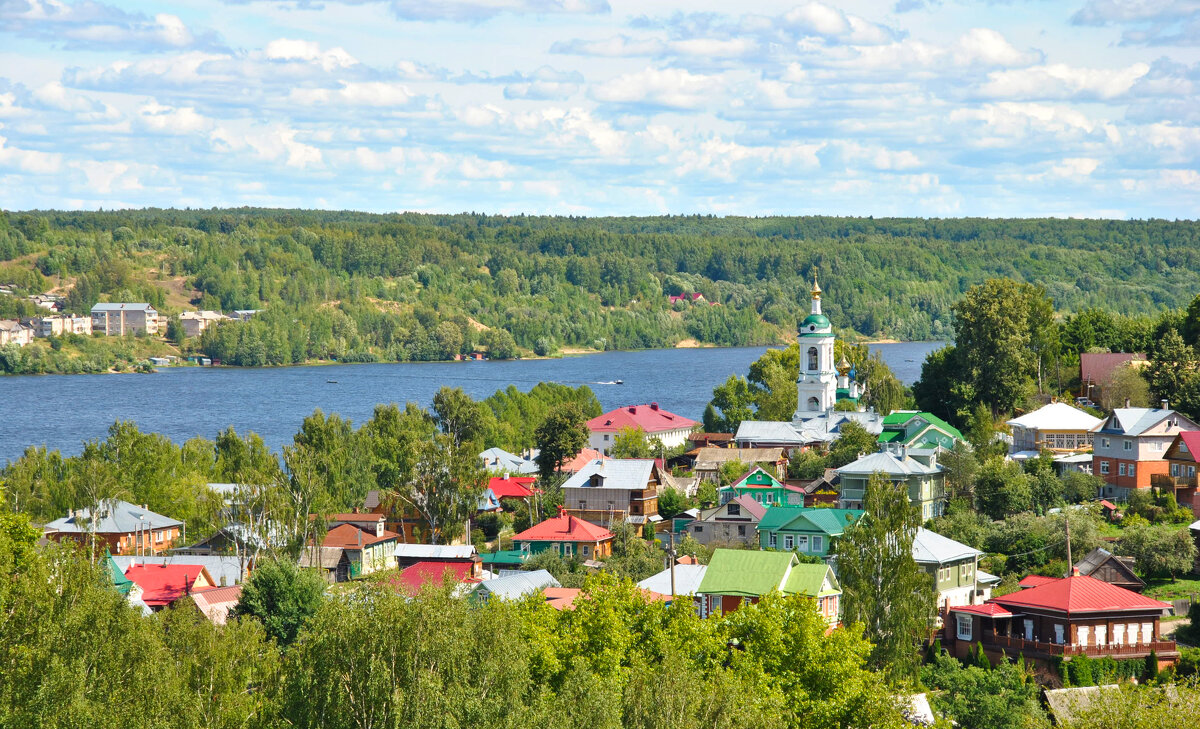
158,118
274,144
94,26
28,160
286,49
669,87
105,177
617,46
1060,81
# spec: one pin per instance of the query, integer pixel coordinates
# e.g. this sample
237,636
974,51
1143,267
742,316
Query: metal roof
1057,416
500,459
931,547
434,551
518,585
650,418
1080,594
687,580
219,567
889,464
122,306
115,517
617,473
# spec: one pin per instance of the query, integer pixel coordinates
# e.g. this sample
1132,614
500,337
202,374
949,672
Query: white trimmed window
802,543
1121,469
1147,632
1059,633
587,551
1081,635
1101,635
1104,467
818,544
1119,634
1104,442
964,626
1127,445
772,540
1132,469
789,543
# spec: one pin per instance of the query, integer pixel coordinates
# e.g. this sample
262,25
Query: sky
930,108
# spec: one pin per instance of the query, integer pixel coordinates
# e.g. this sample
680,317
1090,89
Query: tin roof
1080,594
650,418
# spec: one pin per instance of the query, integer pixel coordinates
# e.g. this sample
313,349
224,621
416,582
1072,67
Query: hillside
361,287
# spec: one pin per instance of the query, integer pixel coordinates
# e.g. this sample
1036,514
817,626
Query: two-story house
760,485
610,491
567,536
954,569
119,319
707,462
907,429
732,522
1056,427
673,430
915,470
804,530
355,545
1060,618
122,527
1183,458
195,322
1129,447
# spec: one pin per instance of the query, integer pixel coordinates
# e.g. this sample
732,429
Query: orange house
123,527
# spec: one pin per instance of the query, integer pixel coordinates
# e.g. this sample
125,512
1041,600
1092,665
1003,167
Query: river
63,411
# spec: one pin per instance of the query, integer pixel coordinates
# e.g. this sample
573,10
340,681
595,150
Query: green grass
1164,589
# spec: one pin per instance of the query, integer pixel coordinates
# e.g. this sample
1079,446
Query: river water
63,411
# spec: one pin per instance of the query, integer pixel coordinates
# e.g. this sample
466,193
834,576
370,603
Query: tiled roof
1057,416
564,528
1098,367
116,517
989,609
511,487
931,547
348,536
1080,594
414,577
216,602
163,584
581,459
650,418
617,473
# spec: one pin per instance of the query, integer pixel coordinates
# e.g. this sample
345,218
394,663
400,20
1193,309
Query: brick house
1129,447
122,527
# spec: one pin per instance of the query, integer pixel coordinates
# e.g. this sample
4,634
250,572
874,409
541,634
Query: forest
358,287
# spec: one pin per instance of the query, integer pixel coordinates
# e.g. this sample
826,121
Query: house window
1158,445
1058,633
1104,467
964,626
818,544
1127,445
697,529
735,509
1132,467
771,541
1101,635
606,437
567,549
1081,638
1104,442
1121,469
1174,470
587,551
1118,634
741,530
1028,629
789,543
158,536
802,544
1147,632
1191,471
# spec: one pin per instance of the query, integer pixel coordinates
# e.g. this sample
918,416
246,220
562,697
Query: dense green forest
359,287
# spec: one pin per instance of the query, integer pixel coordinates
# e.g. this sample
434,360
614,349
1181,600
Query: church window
812,358
814,404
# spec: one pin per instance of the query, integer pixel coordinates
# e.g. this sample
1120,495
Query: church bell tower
816,387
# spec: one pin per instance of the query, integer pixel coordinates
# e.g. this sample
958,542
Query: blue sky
941,108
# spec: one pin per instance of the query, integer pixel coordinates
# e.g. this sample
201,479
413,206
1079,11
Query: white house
673,430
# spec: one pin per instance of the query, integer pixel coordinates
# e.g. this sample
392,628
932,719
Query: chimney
654,406
1163,402
1126,402
1074,571
633,409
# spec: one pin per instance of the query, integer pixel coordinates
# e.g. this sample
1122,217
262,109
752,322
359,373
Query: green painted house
735,576
913,429
915,470
764,488
804,530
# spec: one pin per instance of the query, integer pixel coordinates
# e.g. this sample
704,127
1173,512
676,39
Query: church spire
816,296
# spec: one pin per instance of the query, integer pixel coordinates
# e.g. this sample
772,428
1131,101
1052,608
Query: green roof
504,557
831,522
809,579
119,580
898,419
744,572
820,321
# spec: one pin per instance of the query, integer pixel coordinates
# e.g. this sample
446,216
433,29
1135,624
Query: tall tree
635,443
444,486
560,436
281,596
732,403
460,417
1172,365
853,441
885,593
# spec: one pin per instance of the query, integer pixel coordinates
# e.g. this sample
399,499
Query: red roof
1080,594
586,456
650,418
417,575
354,517
1191,439
561,598
349,536
990,610
1108,504
163,584
564,528
1037,580
514,487
1098,367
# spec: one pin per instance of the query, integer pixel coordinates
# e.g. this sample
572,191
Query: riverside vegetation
358,287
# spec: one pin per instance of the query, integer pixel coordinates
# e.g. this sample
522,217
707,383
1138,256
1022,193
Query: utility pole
1070,564
671,556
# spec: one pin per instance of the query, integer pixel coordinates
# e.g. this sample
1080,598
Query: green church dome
815,323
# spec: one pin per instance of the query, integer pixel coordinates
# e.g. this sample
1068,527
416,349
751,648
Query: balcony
1037,648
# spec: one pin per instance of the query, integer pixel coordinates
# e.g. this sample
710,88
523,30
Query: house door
1028,629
